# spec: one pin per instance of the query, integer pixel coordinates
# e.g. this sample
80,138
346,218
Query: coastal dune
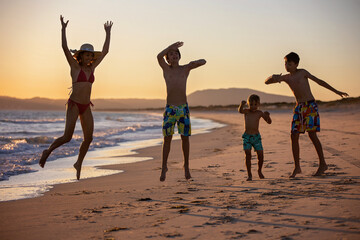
218,202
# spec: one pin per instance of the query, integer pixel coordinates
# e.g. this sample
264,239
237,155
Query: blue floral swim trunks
252,140
179,115
306,118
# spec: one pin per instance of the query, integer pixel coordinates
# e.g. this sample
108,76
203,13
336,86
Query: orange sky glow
243,42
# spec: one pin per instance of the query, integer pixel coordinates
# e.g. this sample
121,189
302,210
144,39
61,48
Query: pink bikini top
82,77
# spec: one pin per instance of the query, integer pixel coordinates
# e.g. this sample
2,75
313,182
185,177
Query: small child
306,116
251,136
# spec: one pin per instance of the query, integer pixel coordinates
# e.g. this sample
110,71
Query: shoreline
217,203
38,181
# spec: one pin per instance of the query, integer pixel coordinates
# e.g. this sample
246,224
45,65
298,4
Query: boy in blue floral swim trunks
177,109
251,136
306,116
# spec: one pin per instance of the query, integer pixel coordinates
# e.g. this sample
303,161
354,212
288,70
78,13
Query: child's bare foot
163,174
44,156
261,176
78,170
297,170
249,178
187,174
321,170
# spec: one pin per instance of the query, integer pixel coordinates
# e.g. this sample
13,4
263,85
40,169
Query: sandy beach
218,202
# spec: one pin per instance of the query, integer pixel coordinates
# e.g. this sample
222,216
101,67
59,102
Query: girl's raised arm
64,45
105,50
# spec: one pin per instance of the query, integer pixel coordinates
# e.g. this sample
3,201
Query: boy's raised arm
267,118
241,108
162,54
325,85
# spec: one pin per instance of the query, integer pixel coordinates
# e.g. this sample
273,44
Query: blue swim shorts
179,115
252,140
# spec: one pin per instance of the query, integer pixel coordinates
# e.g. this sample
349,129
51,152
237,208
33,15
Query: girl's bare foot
249,178
296,171
44,156
163,174
78,170
261,176
321,170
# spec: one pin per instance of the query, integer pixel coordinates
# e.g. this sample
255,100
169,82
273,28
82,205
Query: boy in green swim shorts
306,116
251,136
177,109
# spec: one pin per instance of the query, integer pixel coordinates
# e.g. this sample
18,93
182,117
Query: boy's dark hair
177,50
253,97
292,57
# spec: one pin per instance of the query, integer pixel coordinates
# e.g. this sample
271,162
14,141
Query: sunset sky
243,41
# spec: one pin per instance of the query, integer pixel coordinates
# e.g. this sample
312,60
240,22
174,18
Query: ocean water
25,134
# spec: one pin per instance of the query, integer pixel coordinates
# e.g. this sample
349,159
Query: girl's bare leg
87,124
72,113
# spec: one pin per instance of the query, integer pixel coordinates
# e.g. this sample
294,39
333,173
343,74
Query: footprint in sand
224,219
288,220
80,217
82,192
200,203
181,193
144,199
344,182
235,235
213,166
181,208
171,235
115,229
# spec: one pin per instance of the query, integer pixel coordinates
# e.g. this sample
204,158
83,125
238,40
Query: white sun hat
86,48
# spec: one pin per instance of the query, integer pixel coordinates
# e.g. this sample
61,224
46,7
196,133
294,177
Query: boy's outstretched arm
266,116
198,63
162,54
241,108
275,78
325,85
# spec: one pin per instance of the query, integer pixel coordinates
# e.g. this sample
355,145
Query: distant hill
221,99
8,103
218,97
205,98
230,96
129,103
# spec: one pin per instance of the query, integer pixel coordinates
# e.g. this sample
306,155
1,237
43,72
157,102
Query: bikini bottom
82,107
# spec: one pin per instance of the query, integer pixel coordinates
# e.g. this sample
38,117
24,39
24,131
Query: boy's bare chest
297,81
252,117
176,74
